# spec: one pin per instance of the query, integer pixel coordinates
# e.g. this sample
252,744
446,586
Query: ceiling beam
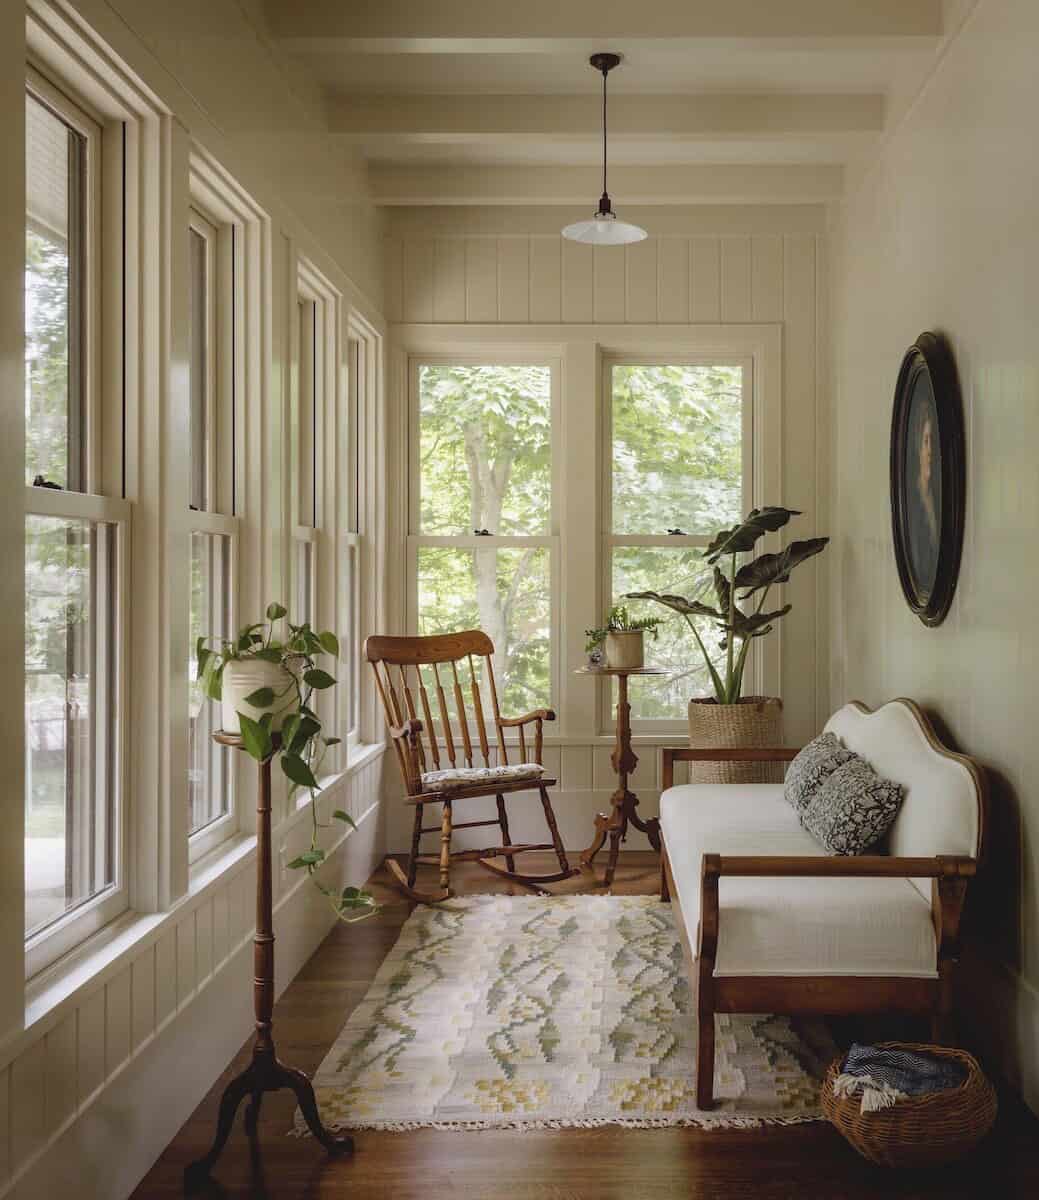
467,118
392,184
455,26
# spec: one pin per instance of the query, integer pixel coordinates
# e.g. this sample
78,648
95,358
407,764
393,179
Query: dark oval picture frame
928,477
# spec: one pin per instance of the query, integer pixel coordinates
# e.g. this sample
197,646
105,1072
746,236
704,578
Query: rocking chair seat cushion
464,777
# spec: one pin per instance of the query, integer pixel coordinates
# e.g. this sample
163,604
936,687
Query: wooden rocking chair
426,781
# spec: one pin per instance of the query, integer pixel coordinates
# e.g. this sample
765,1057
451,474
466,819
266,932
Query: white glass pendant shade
604,230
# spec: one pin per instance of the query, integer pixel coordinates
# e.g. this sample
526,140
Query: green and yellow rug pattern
515,1011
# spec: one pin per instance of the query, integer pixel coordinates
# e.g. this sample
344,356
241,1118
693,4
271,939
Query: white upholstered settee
780,925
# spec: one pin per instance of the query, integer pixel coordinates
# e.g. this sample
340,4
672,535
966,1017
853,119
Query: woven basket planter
921,1131
752,721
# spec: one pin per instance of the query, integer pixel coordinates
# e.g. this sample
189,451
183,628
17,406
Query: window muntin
56,235
482,553
71,816
679,467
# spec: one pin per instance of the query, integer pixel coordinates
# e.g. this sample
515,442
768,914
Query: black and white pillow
818,760
853,808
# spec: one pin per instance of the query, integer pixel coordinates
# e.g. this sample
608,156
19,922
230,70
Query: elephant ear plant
300,746
733,585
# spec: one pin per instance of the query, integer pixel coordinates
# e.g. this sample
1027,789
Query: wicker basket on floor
921,1131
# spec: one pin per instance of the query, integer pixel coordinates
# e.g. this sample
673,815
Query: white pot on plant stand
244,676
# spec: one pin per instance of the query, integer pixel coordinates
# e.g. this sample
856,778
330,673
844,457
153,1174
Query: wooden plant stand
624,802
264,1073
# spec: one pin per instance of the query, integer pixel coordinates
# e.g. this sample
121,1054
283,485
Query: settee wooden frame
824,995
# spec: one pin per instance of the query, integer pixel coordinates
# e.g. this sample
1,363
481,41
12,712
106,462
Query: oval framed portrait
928,477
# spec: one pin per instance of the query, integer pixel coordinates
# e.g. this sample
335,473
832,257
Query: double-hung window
76,538
482,542
361,366
678,453
212,279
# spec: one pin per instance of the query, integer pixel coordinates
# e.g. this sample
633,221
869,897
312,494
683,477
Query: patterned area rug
517,1011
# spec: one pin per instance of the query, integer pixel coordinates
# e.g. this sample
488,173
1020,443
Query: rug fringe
684,1122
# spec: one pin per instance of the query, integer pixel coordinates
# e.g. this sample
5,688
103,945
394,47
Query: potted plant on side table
265,685
620,642
728,718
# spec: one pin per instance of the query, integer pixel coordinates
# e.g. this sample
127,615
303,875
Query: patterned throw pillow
818,760
853,808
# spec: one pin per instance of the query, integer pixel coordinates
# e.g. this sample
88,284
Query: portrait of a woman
923,485
928,477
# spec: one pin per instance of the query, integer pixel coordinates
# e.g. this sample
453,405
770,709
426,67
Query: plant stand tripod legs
334,1143
197,1172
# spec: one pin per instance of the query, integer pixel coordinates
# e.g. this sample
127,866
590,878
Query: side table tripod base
614,824
264,1074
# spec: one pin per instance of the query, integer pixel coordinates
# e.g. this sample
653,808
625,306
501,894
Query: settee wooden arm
950,875
672,754
859,866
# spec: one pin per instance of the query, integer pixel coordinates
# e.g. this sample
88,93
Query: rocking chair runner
407,663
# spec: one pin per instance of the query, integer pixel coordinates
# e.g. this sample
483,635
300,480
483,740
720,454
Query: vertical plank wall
64,1127
725,266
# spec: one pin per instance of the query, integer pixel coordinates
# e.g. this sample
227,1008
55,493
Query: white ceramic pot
625,651
242,677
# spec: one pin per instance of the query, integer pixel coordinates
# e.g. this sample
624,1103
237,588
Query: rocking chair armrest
672,754
408,730
539,714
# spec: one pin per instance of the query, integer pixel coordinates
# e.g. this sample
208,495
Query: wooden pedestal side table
264,1073
624,802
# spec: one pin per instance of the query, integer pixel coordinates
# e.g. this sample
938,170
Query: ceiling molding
461,118
392,184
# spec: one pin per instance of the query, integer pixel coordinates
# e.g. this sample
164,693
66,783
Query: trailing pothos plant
733,586
300,745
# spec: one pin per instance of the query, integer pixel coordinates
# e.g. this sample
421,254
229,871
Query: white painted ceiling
422,86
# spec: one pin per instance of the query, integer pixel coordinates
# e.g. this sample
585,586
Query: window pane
485,449
209,776
55,171
350,642
302,583
198,358
304,440
680,572
677,448
505,591
69,711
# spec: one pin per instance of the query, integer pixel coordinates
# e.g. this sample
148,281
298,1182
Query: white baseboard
105,1152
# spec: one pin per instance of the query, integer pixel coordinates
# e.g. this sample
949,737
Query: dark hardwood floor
574,1164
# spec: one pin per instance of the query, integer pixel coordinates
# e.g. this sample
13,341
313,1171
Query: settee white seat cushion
459,777
804,926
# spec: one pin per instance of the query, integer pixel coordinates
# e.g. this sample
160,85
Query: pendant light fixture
604,229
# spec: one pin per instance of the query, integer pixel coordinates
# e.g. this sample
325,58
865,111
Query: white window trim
550,540
238,500
611,541
581,350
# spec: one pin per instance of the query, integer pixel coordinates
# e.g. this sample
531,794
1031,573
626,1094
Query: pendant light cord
604,74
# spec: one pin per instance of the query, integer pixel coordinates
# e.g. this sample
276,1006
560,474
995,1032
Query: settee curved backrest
943,809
